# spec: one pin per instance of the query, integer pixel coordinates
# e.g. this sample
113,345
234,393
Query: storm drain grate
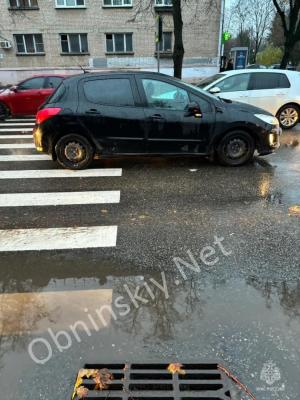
153,382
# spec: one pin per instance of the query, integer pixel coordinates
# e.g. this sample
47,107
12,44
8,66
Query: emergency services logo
270,373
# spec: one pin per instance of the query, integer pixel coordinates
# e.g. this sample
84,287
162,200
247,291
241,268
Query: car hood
238,106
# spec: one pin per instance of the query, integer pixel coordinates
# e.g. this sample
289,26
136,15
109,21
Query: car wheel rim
75,152
289,117
236,149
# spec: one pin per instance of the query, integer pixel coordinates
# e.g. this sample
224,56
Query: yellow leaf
294,210
174,368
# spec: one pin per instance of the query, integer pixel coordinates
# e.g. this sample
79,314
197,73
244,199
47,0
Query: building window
119,43
165,45
163,3
23,4
30,44
70,3
117,3
74,43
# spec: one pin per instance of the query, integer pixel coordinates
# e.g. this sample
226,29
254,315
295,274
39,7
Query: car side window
234,83
205,106
34,83
164,95
113,91
269,80
53,82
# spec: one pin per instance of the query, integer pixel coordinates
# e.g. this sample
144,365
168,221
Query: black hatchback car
148,113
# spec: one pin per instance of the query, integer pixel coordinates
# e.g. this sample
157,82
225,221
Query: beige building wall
201,32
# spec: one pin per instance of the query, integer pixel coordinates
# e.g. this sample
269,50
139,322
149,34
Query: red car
25,98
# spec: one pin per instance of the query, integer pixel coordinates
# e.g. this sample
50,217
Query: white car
276,91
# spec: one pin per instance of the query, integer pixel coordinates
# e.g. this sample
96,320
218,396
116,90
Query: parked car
276,91
277,66
256,66
148,113
26,97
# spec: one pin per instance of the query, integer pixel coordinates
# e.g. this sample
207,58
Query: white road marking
20,120
16,130
60,173
15,136
17,146
18,124
24,157
59,198
58,238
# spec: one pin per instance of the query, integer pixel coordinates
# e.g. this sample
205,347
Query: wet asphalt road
242,310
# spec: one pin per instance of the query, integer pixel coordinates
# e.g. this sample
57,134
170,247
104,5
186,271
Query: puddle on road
242,323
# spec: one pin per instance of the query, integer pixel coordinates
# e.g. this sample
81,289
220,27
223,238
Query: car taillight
45,114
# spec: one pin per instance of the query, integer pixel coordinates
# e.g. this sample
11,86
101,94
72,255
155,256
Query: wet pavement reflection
59,310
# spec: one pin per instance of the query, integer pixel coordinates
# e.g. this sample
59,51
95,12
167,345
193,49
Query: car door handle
157,117
93,111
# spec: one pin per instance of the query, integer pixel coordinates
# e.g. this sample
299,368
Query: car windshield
211,79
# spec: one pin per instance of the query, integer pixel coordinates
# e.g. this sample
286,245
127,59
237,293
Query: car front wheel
289,116
235,149
74,152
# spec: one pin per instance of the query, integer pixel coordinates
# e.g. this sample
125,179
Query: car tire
74,152
4,112
289,116
235,149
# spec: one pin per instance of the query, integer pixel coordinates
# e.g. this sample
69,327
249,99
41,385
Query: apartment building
103,33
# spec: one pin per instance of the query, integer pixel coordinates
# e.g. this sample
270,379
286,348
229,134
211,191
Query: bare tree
289,13
253,18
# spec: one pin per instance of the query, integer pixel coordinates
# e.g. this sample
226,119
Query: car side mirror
193,110
215,90
14,88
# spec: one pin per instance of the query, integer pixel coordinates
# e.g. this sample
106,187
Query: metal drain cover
151,381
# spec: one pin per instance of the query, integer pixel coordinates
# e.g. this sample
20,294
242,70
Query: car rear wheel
74,152
4,112
235,149
289,116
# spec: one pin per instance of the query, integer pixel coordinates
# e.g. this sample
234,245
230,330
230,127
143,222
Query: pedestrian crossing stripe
24,157
16,130
20,120
17,146
60,173
15,136
18,124
13,240
59,198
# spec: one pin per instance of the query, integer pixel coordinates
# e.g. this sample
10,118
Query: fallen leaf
294,210
176,368
103,379
82,392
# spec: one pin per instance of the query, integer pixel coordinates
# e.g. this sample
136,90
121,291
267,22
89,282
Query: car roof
78,77
261,71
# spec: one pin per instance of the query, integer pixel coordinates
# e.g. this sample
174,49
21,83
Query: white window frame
114,44
66,6
21,6
34,43
162,3
69,44
116,5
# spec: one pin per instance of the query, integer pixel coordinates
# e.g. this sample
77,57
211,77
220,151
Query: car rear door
28,96
268,90
169,128
234,87
111,111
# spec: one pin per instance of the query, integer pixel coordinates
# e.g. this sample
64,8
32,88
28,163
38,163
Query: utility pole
159,38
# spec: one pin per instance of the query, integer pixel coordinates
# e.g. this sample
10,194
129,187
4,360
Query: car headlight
269,119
